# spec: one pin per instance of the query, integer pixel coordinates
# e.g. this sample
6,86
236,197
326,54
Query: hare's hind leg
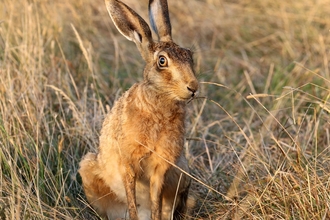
99,194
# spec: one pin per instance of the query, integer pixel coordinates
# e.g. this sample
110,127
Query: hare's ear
131,25
160,19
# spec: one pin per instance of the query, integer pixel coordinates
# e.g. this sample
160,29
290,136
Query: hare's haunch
129,178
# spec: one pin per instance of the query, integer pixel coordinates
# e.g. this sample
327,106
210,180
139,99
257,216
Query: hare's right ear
131,25
160,19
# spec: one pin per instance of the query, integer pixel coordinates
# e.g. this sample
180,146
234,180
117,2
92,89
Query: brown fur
128,177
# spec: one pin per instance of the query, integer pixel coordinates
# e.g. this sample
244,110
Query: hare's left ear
160,19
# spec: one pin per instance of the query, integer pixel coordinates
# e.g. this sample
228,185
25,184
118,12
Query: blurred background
257,137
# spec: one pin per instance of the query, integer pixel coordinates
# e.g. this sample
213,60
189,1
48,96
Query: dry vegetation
258,137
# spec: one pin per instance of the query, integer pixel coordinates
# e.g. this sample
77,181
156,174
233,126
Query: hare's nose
193,87
193,91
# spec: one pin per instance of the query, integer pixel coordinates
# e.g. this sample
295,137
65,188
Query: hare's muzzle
193,87
193,91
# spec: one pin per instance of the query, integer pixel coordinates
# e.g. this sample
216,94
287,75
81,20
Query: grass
258,136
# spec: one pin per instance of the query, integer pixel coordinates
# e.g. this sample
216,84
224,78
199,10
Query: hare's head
169,67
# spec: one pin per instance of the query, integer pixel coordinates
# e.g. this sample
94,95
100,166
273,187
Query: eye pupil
162,61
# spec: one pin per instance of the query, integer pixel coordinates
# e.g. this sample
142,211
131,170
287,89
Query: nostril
192,86
192,91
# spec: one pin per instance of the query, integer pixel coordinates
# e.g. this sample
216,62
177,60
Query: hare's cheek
166,75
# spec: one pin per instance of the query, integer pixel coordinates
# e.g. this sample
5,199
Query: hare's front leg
129,178
156,186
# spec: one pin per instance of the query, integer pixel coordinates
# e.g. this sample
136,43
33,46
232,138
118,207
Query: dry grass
260,140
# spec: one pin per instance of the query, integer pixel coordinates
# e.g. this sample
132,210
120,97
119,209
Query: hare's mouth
188,97
192,93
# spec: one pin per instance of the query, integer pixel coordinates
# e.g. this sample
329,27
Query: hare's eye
162,61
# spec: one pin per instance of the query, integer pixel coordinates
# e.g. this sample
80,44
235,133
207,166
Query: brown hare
129,178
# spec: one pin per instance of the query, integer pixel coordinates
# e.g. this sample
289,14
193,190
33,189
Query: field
258,135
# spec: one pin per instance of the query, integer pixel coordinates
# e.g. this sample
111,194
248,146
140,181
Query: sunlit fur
129,177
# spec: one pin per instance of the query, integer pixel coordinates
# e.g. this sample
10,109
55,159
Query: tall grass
258,135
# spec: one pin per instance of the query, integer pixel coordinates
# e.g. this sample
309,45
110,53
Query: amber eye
162,61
